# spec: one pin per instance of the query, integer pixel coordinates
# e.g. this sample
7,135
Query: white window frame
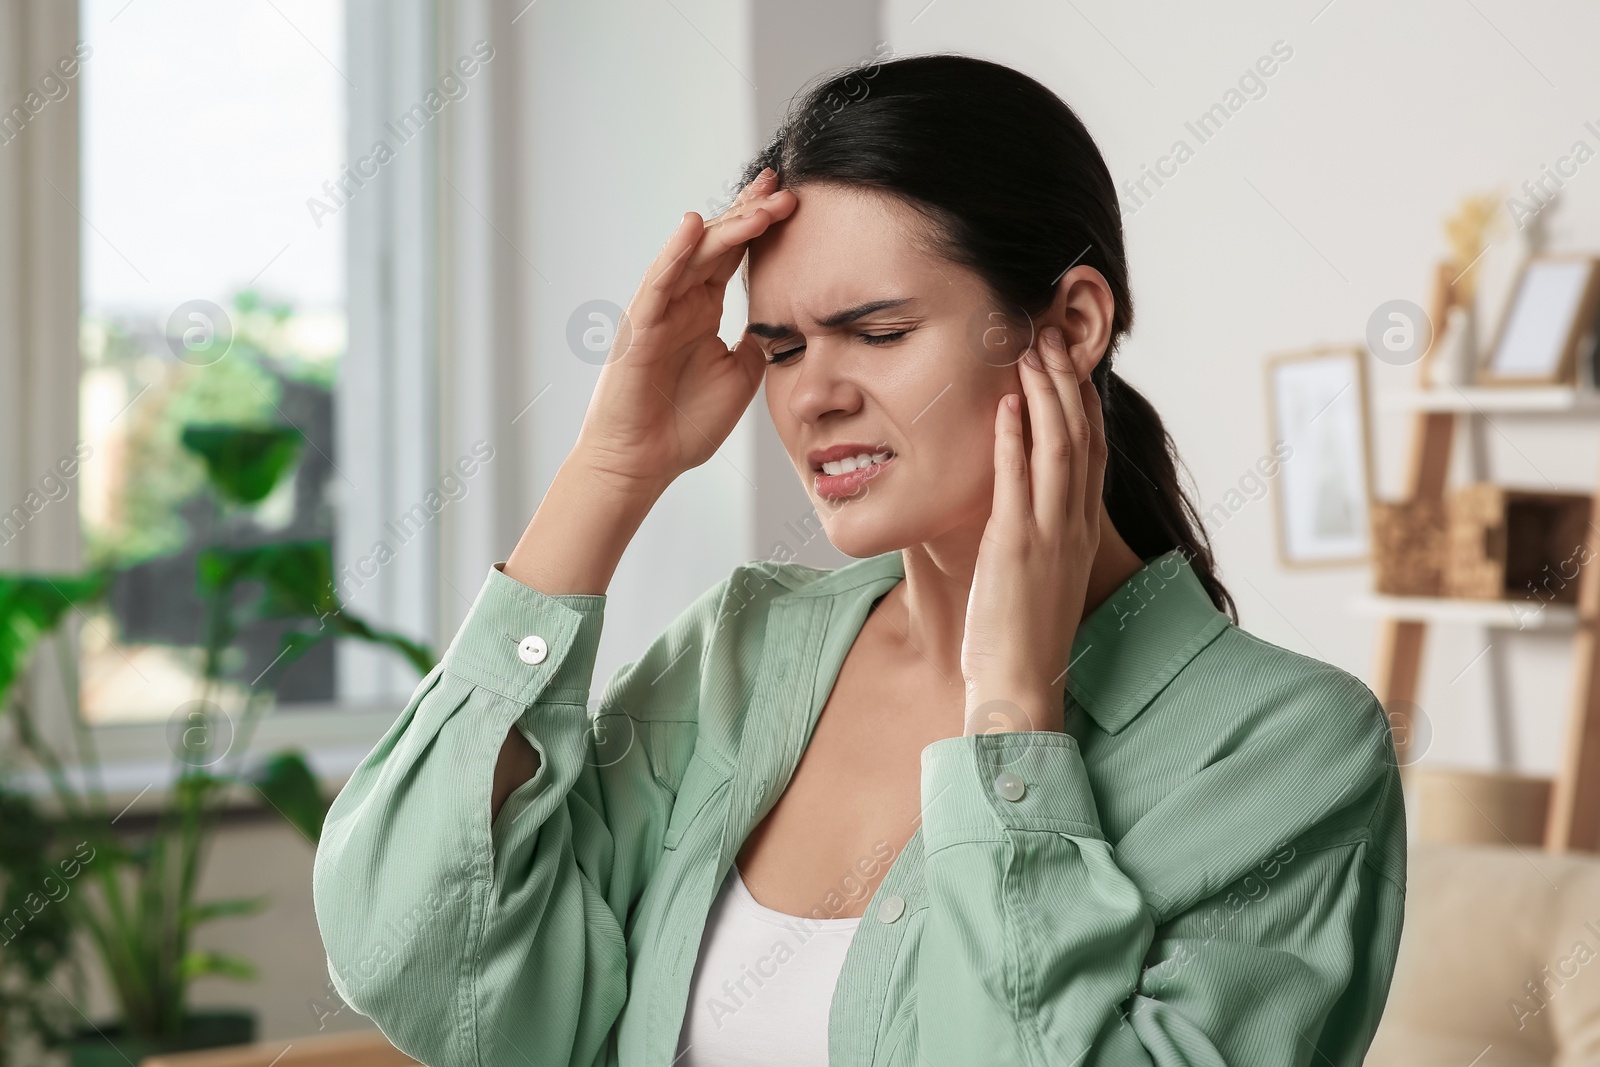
386,420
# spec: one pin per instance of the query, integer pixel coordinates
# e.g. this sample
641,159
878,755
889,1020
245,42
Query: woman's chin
860,536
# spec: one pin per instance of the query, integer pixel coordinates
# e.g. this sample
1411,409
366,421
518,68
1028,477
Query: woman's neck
928,608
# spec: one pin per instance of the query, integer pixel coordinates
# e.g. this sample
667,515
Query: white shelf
1496,399
1511,615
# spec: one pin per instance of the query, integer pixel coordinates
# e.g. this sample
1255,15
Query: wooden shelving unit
1499,614
1466,399
1573,819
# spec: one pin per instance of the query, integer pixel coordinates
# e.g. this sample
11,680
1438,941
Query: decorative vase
112,1046
1456,361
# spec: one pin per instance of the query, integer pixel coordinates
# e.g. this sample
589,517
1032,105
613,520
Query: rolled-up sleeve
471,942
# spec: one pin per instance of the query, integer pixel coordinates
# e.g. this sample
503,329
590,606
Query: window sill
137,766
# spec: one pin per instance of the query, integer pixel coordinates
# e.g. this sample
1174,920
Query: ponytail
1148,506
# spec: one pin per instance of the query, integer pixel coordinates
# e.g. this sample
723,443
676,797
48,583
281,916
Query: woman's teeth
855,463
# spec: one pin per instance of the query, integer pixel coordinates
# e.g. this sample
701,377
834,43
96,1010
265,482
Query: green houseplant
35,929
139,904
35,934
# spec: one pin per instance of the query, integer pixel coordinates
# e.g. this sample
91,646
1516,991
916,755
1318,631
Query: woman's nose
822,385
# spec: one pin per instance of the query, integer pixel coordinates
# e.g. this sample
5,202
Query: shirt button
1009,786
891,908
532,650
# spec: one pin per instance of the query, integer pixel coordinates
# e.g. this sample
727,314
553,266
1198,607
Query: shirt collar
1124,653
1139,638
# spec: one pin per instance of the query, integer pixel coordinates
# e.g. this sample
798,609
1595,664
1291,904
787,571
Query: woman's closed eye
869,338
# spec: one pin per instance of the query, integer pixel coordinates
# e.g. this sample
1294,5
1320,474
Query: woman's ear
1084,309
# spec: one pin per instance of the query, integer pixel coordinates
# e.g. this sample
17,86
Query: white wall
638,112
1315,203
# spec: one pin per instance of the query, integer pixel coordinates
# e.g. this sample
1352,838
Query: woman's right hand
671,391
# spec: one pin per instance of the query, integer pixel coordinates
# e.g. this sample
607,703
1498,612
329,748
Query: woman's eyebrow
838,318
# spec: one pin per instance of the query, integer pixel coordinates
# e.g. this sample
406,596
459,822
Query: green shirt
1206,867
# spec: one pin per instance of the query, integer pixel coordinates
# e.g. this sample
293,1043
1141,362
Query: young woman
1011,788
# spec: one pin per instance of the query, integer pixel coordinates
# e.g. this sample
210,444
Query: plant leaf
297,576
244,463
36,940
289,786
419,655
223,909
31,606
292,646
221,964
298,582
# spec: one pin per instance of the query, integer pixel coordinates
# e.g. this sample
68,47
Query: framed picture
1318,403
1548,319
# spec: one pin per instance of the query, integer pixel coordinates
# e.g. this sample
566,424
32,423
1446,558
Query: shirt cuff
526,645
978,786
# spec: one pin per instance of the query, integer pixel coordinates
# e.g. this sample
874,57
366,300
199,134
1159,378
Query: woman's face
877,349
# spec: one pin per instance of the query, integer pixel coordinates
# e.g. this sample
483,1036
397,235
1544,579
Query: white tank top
762,985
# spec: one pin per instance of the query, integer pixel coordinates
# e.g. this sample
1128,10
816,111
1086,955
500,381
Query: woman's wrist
627,493
578,534
1013,708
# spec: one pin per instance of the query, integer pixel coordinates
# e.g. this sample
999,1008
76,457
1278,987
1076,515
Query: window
244,295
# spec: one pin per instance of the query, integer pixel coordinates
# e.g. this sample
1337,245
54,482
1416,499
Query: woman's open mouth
845,477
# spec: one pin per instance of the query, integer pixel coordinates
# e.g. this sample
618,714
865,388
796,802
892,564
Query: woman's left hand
1032,573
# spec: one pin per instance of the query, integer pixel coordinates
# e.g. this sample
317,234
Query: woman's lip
836,486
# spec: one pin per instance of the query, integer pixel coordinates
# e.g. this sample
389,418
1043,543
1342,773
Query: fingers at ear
1062,371
1099,448
1049,462
1011,493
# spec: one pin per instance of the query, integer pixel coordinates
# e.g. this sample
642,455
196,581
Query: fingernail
1031,358
1052,336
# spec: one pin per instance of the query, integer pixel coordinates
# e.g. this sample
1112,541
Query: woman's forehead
839,250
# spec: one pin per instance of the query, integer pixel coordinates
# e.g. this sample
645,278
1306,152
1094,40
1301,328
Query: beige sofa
1499,961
